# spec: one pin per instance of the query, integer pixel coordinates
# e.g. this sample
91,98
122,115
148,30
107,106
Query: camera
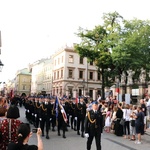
34,130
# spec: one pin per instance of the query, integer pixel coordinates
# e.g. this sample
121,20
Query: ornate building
73,75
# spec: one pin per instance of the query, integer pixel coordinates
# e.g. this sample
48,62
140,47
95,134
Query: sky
36,29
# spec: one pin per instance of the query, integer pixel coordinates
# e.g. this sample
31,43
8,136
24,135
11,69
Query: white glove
86,135
50,119
40,119
75,118
32,114
62,111
28,110
35,115
70,116
65,120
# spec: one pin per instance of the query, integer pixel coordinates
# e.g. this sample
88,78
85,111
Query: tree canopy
115,46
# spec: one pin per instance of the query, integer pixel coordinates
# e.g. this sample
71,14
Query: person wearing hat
45,116
81,113
94,126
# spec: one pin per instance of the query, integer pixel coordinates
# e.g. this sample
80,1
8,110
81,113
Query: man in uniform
62,118
45,116
81,112
93,126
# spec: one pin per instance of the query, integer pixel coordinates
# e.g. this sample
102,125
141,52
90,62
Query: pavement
75,142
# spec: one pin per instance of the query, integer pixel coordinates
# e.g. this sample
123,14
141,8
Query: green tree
116,46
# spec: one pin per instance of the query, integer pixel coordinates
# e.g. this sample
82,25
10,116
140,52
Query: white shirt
126,114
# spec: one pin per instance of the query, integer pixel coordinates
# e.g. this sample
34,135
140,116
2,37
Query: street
76,142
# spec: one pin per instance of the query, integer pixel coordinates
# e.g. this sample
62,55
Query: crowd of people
52,113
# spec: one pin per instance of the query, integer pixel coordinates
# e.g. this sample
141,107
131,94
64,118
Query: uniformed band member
81,113
94,126
53,121
62,119
45,116
73,114
37,110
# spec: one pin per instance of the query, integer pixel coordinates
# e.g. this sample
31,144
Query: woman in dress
108,120
9,127
119,115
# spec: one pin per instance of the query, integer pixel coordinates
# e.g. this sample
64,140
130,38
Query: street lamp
1,65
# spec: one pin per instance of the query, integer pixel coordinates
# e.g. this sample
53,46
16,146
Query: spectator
126,116
148,107
139,124
108,120
9,127
118,127
24,135
132,119
113,117
144,109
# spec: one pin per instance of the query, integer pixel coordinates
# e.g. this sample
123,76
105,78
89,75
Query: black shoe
59,134
82,135
47,137
78,133
71,127
42,134
64,136
53,130
75,129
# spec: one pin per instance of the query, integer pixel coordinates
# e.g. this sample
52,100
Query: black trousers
80,122
97,136
45,121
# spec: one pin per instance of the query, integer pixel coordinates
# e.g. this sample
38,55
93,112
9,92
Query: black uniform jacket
93,122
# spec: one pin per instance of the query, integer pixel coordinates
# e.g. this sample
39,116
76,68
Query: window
54,75
91,93
55,62
91,62
70,58
81,60
58,61
24,87
61,73
70,73
91,75
57,74
98,76
62,59
80,74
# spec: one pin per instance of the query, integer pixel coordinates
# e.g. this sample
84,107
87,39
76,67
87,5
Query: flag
77,100
56,106
63,113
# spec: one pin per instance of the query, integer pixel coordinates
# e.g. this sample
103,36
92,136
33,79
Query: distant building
22,82
74,76
41,81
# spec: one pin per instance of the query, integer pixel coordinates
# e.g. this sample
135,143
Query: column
94,94
141,90
129,89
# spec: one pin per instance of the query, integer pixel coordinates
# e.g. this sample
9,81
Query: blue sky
33,29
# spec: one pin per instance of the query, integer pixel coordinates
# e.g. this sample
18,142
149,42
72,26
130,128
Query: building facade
74,76
23,82
41,81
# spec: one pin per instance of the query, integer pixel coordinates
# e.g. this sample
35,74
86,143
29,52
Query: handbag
122,121
132,123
